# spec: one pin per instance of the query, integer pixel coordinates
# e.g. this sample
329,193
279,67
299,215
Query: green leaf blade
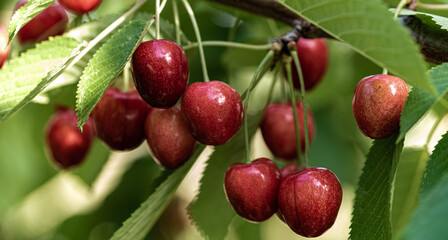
371,213
22,78
105,66
369,28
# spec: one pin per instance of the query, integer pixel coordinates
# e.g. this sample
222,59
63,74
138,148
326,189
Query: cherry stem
126,76
176,21
232,31
294,111
433,130
230,44
198,38
157,19
265,63
400,6
274,81
305,107
432,6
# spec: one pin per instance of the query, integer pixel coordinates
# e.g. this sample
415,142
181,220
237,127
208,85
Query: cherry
4,50
120,119
278,129
251,189
67,145
377,104
80,6
290,168
168,137
313,56
161,72
51,22
310,200
213,110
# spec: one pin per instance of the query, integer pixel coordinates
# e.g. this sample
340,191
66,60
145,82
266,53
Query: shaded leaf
371,213
427,18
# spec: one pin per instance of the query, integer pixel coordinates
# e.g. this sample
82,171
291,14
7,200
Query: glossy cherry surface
213,110
278,129
290,168
67,145
251,189
4,49
120,119
313,57
168,137
161,72
310,200
51,22
80,6
377,105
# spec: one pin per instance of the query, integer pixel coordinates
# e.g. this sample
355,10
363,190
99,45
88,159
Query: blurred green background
38,202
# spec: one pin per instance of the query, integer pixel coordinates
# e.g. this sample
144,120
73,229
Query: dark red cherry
213,110
278,129
290,168
120,119
80,6
310,200
161,72
51,22
168,137
313,57
251,189
67,145
377,104
4,48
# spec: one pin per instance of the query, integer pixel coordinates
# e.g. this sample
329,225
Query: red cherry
80,6
67,145
51,22
213,110
290,168
161,72
120,119
4,50
377,105
310,200
168,137
278,129
251,189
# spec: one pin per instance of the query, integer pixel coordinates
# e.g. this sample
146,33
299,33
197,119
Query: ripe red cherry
80,6
51,22
67,145
120,119
213,110
313,56
251,189
377,104
278,129
168,137
310,200
4,50
290,168
161,72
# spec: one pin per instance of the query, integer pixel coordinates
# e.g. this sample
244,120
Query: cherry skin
377,104
120,119
51,22
290,168
278,129
252,188
161,72
310,200
67,145
168,137
4,50
80,6
213,110
313,57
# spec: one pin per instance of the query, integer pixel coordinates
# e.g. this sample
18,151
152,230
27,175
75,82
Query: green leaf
369,28
210,211
420,101
407,183
22,78
429,219
427,19
105,66
371,213
246,230
436,168
23,15
141,221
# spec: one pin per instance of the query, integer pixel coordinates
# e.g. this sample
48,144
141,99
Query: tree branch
433,42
